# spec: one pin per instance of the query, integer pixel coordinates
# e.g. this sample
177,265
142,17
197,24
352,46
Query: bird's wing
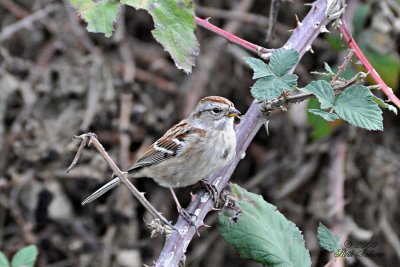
170,145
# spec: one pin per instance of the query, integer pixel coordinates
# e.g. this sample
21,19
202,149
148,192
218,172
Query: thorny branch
342,67
259,50
273,16
176,244
27,22
345,31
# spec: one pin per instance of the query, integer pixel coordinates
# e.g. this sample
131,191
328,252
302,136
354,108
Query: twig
299,179
273,15
160,82
78,154
27,22
344,30
336,177
80,34
389,233
90,138
259,50
108,241
25,226
342,67
176,244
126,103
93,96
14,8
245,17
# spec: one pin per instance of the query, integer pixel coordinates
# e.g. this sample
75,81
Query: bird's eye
216,110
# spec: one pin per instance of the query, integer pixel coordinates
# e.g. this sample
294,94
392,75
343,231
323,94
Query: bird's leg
212,191
186,215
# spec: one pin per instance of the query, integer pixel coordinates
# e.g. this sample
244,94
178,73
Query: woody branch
177,243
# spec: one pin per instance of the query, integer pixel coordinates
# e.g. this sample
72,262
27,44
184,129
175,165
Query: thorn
266,55
266,127
192,196
309,48
323,29
197,231
299,24
202,224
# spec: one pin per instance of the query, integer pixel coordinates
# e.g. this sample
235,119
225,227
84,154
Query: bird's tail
110,185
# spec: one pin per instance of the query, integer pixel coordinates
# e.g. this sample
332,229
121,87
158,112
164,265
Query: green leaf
327,239
383,104
261,233
355,105
290,80
326,115
321,127
174,28
259,67
25,257
328,69
323,91
282,61
99,15
3,260
270,87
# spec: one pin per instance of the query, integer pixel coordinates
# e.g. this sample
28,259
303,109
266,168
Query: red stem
344,30
259,50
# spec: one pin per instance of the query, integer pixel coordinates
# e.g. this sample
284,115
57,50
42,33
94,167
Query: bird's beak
233,112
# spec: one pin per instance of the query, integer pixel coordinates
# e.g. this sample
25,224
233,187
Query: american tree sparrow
190,151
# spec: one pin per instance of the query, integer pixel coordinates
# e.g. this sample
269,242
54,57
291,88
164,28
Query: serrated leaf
328,69
321,127
262,233
25,257
270,87
383,104
259,67
99,15
174,28
355,105
323,91
282,61
290,80
3,260
326,115
327,239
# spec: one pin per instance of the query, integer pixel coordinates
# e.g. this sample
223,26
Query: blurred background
57,80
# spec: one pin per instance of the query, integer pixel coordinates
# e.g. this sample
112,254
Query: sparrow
190,151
